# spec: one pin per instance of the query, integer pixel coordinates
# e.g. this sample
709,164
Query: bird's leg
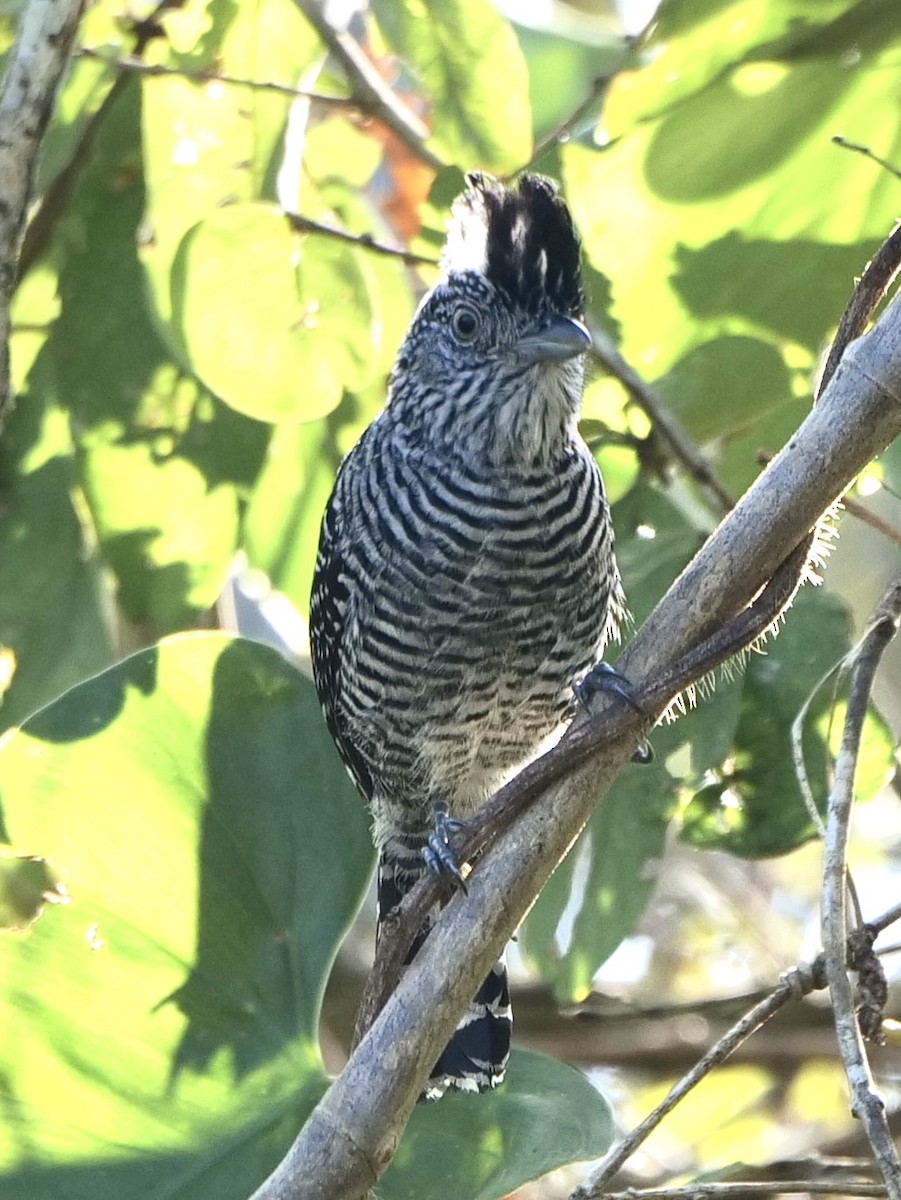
438,852
603,678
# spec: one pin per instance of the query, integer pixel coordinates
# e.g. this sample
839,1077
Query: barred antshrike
466,580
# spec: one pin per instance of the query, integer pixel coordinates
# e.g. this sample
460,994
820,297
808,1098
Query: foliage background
192,362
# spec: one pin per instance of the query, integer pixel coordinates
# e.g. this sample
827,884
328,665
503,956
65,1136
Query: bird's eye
465,323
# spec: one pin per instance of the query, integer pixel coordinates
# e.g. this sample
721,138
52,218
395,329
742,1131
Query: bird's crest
521,238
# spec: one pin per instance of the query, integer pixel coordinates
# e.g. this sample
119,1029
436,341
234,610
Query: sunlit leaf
170,1008
546,1115
469,60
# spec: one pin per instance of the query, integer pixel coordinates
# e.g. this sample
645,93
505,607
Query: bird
466,584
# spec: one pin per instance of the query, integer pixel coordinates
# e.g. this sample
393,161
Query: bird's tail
475,1059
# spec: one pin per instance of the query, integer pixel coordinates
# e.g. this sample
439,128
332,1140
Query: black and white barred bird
466,580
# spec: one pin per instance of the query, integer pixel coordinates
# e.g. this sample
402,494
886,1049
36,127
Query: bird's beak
553,338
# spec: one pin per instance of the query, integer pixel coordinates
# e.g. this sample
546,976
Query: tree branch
793,985
137,66
665,423
865,1102
352,1134
364,241
746,1191
33,71
367,87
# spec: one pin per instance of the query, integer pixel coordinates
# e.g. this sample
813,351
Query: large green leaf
723,199
277,326
544,1116
471,67
51,593
209,145
163,464
608,894
212,851
189,815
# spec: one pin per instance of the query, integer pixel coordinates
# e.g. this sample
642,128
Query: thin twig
367,87
796,983
868,517
738,1191
865,1101
563,131
134,65
887,918
665,423
793,985
838,140
365,241
872,286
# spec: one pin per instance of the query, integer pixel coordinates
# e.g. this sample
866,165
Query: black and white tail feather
466,579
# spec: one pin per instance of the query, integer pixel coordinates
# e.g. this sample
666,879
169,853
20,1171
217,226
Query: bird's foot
603,678
438,853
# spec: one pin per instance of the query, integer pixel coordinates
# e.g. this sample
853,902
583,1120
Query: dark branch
367,87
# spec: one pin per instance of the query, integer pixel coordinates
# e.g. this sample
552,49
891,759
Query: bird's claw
438,853
604,678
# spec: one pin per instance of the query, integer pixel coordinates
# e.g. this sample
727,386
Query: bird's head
492,361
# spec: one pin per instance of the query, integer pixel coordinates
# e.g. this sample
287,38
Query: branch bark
35,66
351,1136
865,1101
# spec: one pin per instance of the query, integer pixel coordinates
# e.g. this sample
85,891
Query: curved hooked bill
553,339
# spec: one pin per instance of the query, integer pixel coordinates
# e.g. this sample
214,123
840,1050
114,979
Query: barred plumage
466,578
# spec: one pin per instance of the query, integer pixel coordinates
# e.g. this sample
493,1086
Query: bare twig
665,423
367,87
867,153
33,71
563,131
867,517
746,1191
887,918
137,66
874,284
865,1102
793,985
364,240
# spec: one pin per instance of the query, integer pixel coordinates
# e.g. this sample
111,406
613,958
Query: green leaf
754,806
470,64
277,327
191,804
163,464
51,594
623,840
544,1116
654,541
208,145
723,197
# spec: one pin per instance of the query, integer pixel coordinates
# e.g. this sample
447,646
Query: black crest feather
527,245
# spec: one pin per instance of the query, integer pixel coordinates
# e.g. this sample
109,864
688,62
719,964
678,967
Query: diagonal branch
666,423
367,87
352,1134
